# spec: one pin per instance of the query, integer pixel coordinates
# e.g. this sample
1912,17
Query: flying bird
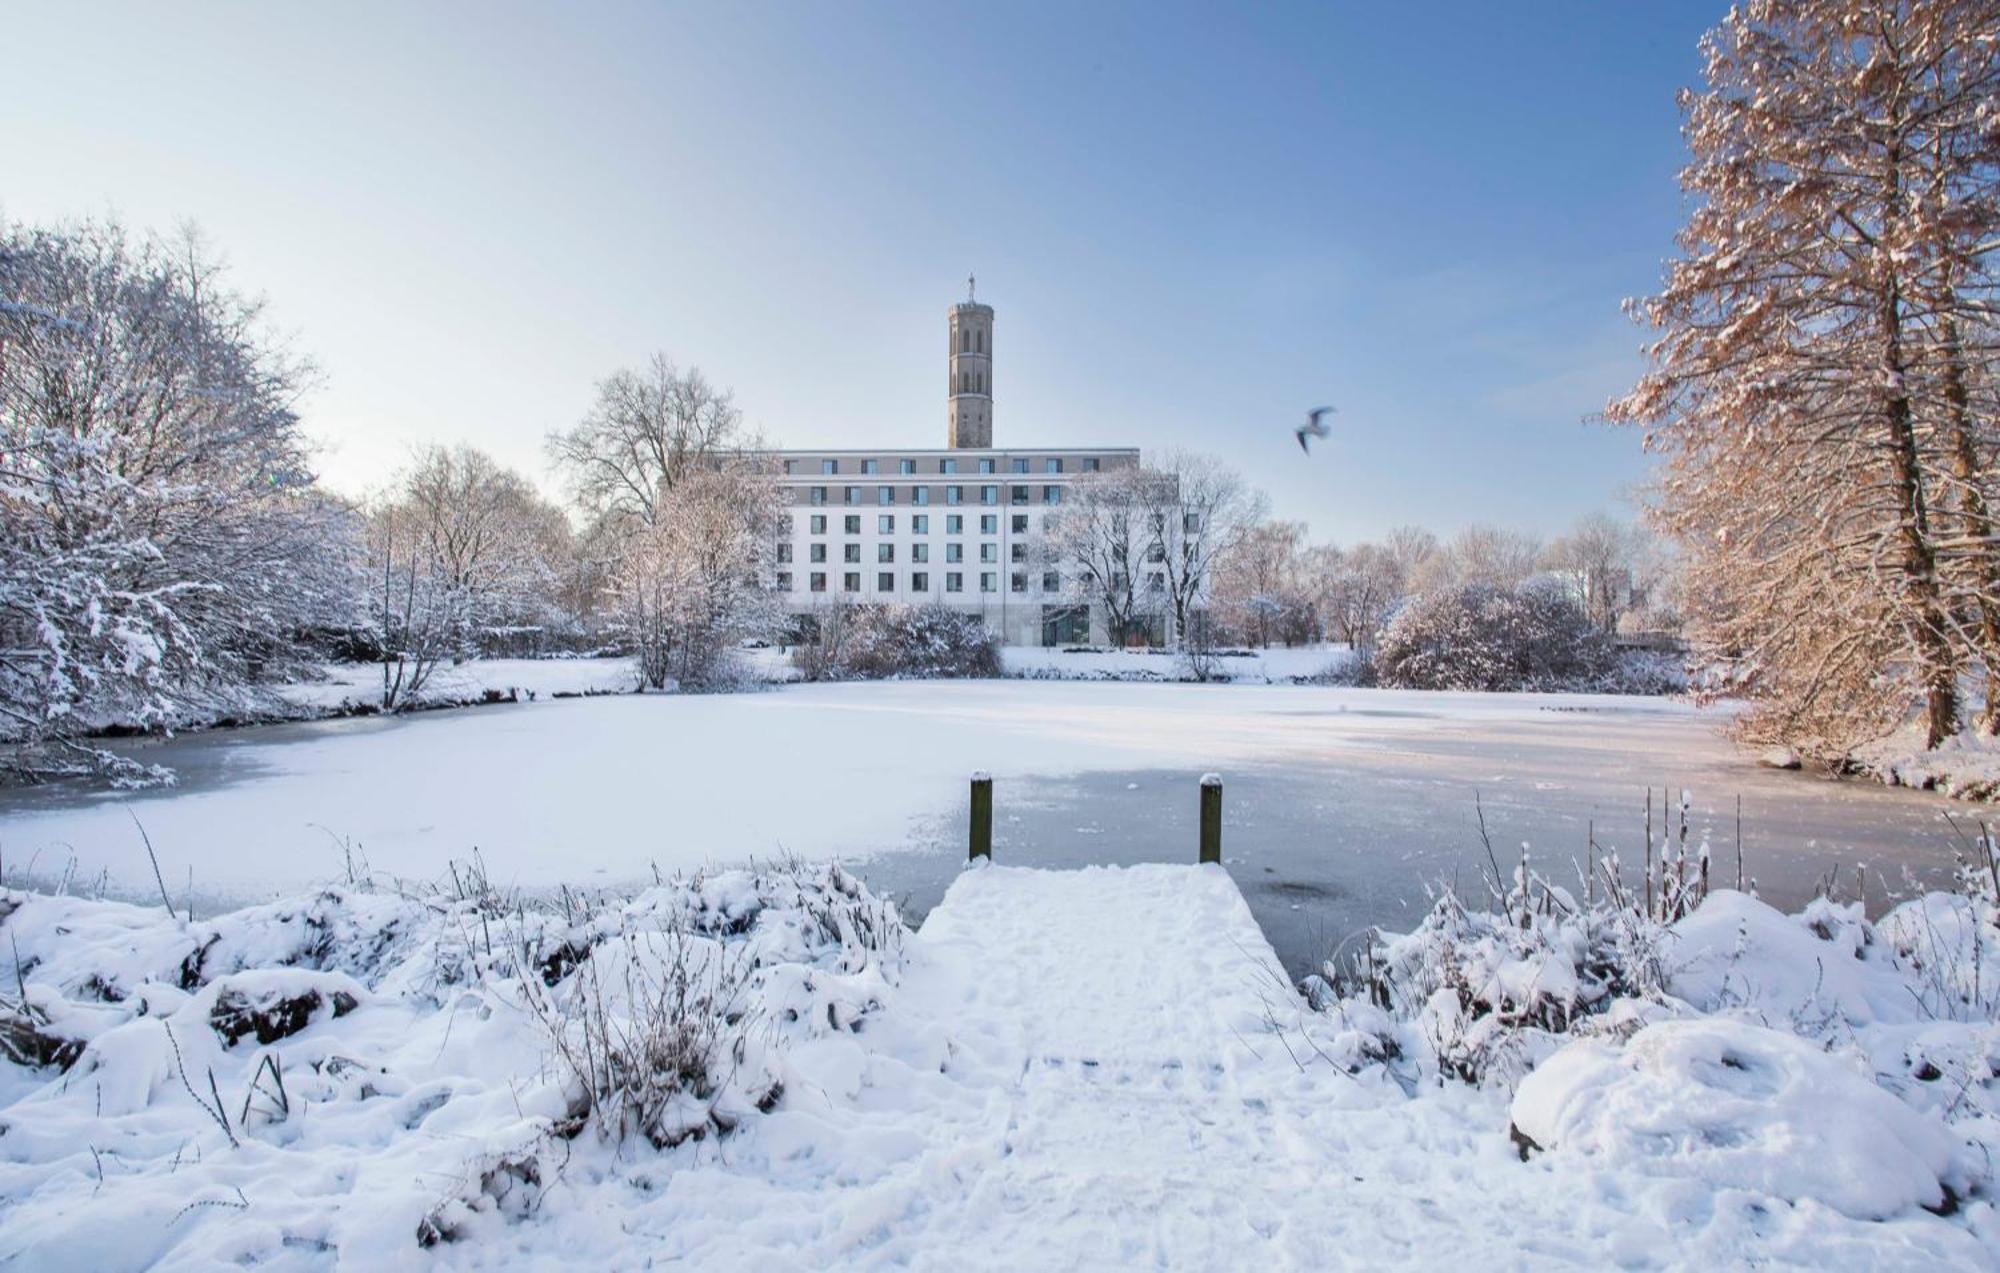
1314,427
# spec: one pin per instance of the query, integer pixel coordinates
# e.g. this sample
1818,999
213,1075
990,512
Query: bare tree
1595,562
1482,555
1844,170
1100,542
461,546
1258,587
648,430
1197,508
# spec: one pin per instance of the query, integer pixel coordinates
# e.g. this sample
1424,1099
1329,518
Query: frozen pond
1340,804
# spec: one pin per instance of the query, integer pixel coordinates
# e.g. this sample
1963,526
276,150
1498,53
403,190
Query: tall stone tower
970,389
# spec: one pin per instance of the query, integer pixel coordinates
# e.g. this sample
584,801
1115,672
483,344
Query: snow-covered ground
1092,1069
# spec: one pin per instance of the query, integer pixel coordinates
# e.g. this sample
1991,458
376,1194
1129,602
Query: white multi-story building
958,526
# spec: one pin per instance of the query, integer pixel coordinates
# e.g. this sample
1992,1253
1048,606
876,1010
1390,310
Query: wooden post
1211,818
982,818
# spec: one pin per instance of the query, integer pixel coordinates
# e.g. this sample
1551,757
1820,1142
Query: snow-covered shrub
882,641
1489,993
1745,1107
1479,637
413,1031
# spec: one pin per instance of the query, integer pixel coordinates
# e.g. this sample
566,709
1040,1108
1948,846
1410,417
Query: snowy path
1119,1093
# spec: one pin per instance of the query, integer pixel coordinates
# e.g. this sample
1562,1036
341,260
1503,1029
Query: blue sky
1193,223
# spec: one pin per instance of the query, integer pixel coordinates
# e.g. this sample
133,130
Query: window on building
1190,523
1156,583
947,466
829,466
1051,582
920,552
784,581
851,495
989,495
953,581
784,552
1156,553
851,581
989,552
920,495
979,342
851,523
954,552
1021,464
1052,466
885,553
906,467
986,466
920,524
920,582
885,495
850,552
818,524
1020,523
818,581
989,523
868,466
1090,464
954,524
1017,552
816,552
1017,494
989,581
954,494
885,581
818,495
885,524
1052,495
1020,581
791,467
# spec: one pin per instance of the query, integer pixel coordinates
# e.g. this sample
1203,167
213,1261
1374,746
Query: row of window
921,495
1052,464
971,340
920,581
920,524
954,551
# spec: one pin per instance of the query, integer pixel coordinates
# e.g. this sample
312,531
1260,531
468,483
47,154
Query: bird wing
1316,413
1300,434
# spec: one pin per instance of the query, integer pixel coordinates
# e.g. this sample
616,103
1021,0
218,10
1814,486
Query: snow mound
1741,1106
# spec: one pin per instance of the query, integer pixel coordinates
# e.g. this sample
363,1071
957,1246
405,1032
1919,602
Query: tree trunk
1978,525
1934,654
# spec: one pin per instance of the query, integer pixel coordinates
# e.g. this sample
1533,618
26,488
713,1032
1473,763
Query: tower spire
970,285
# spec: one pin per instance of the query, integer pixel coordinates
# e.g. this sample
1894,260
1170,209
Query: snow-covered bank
1277,665
1967,766
1062,1070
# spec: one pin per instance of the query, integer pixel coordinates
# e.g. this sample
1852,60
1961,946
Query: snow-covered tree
693,584
1100,542
1197,509
162,544
461,547
1598,562
1831,312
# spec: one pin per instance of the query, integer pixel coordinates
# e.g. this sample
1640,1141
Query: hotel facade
960,525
